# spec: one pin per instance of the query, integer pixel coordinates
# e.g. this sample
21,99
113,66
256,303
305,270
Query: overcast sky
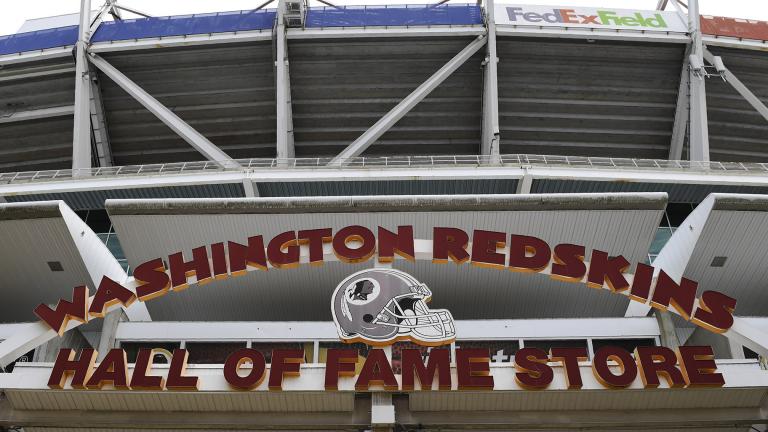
13,13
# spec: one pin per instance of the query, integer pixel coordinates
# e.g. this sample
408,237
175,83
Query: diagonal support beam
184,130
681,112
747,94
285,148
406,105
490,135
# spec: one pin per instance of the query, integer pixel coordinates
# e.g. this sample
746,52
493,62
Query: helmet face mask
382,306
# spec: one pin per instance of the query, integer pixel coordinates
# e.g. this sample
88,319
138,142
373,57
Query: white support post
699,130
490,134
401,109
737,85
81,133
681,111
524,184
285,149
184,130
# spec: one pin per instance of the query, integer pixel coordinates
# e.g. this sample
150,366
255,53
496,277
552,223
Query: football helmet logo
382,306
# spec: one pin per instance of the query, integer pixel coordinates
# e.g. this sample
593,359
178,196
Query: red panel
735,27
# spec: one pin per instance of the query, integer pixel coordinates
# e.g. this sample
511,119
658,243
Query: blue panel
394,15
222,22
37,40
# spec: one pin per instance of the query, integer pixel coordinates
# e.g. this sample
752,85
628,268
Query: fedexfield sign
380,307
607,18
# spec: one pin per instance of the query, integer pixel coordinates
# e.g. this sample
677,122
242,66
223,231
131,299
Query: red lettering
533,372
181,270
376,371
285,362
400,244
715,312
484,248
283,250
58,318
113,369
236,360
605,375
354,233
698,366
315,239
66,365
528,254
153,281
140,379
449,243
177,380
606,270
473,370
109,294
568,263
339,362
570,358
242,257
668,293
439,362
655,361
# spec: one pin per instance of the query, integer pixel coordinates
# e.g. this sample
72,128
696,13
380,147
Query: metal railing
442,161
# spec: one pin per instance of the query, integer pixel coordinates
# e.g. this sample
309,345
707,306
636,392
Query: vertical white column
283,89
490,133
81,133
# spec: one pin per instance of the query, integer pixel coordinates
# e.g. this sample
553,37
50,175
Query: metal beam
699,130
81,133
36,114
285,147
185,131
750,97
401,109
490,135
99,123
681,111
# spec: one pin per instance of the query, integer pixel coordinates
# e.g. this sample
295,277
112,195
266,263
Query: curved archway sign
355,244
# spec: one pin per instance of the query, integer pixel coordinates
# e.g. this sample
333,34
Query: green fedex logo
597,18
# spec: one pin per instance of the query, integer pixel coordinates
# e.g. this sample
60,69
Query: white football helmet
381,306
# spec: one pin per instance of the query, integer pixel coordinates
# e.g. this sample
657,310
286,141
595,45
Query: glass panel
627,344
500,351
132,350
212,352
662,237
113,244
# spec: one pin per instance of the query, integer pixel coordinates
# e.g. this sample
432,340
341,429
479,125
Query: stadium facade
409,217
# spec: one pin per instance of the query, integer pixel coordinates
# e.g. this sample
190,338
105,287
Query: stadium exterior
188,193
